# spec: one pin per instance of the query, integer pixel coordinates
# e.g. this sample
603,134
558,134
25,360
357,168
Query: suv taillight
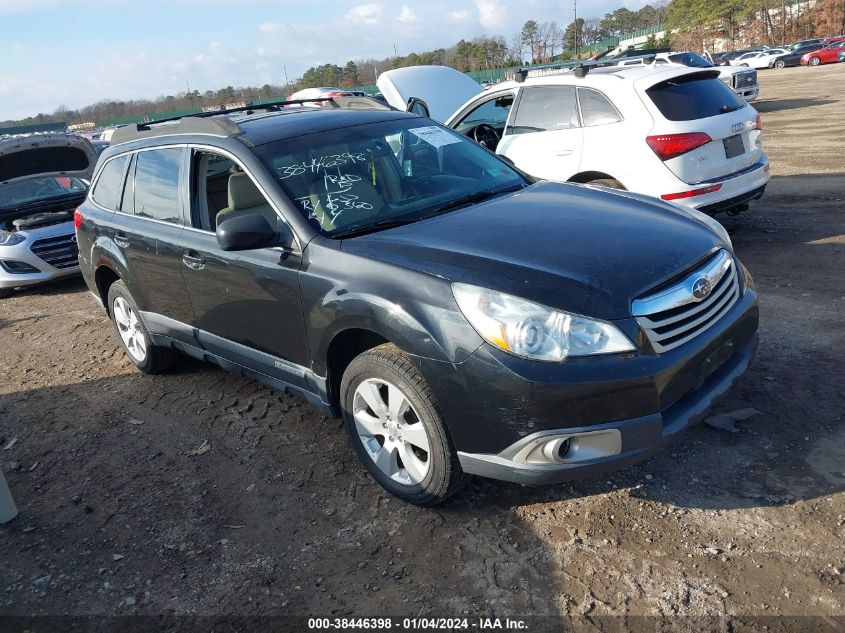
77,219
668,146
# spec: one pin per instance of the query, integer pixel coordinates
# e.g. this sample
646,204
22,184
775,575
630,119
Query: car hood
45,156
582,249
443,89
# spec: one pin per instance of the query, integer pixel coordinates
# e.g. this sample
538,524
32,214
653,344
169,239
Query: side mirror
418,106
245,232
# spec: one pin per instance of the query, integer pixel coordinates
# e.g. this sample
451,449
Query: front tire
815,61
607,182
5,293
397,429
133,334
779,64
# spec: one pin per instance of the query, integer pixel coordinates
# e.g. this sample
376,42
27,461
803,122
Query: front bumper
749,94
496,405
53,243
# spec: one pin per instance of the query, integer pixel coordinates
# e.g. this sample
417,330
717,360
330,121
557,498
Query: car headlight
530,330
726,80
10,239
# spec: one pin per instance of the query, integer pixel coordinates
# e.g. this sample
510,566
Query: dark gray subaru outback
459,317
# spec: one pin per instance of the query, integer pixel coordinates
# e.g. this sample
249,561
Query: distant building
31,129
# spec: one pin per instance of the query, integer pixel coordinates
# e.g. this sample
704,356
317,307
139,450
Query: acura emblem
701,288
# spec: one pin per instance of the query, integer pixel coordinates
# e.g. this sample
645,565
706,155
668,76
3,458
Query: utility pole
782,22
575,24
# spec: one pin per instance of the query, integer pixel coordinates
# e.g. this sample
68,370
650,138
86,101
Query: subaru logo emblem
701,288
737,127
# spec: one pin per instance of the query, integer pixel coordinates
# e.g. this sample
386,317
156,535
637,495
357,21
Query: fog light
568,448
563,448
555,449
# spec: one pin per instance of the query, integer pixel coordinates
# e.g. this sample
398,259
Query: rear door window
157,184
688,98
546,108
596,109
109,186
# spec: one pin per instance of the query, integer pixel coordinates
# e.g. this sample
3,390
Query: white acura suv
674,133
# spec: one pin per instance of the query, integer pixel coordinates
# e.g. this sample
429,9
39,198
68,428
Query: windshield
381,174
690,59
19,194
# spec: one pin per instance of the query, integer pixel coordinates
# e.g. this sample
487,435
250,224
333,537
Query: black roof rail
580,68
218,123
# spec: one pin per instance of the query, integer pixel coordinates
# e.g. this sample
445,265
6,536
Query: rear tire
397,429
607,182
133,334
5,293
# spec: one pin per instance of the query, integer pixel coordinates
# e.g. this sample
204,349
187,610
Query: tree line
695,25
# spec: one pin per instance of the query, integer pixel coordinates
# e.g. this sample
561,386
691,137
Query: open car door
434,91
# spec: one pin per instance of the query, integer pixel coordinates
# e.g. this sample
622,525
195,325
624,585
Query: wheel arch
584,177
342,350
104,277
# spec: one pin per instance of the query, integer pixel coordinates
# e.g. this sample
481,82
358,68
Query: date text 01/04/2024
418,624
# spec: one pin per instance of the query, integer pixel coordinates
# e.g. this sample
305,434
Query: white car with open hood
43,179
679,134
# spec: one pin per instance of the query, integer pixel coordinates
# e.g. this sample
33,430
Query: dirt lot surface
119,517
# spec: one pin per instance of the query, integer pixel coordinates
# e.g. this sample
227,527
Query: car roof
257,125
259,129
611,75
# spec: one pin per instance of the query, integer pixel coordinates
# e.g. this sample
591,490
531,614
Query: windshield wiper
372,228
478,196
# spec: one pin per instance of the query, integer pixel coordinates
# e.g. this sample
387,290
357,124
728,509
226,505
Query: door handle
192,260
121,240
564,152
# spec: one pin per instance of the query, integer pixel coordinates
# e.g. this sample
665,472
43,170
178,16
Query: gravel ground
197,492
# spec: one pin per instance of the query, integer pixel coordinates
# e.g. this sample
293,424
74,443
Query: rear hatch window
692,97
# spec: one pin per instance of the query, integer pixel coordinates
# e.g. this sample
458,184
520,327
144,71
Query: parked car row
810,52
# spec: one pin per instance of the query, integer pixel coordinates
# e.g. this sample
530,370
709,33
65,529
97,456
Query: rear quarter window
596,109
110,184
689,98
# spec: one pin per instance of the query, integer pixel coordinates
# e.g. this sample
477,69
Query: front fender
412,310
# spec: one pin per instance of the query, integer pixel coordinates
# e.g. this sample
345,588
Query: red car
825,55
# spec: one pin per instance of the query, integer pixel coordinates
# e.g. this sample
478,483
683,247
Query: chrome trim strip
694,325
701,307
736,174
659,348
681,294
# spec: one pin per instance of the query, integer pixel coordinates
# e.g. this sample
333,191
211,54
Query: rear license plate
734,146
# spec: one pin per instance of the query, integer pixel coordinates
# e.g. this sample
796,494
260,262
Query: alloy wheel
129,328
391,431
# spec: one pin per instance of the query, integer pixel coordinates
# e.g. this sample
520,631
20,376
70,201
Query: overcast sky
76,52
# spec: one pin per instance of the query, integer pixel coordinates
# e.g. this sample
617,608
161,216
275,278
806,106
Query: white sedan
758,59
